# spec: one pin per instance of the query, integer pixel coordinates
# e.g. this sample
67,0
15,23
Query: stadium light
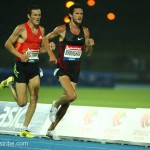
66,19
111,16
69,3
91,2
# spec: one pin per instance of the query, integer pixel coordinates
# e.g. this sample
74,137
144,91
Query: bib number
33,55
72,53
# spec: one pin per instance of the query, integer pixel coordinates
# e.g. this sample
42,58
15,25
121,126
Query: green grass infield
101,97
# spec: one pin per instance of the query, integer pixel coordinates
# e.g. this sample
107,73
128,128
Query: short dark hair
32,7
76,5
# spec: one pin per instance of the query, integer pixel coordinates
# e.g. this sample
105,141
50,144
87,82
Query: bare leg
69,91
65,100
34,85
20,93
29,114
13,90
62,111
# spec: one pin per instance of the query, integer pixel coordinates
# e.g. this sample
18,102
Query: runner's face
35,16
77,15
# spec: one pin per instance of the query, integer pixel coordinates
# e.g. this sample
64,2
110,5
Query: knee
22,103
72,96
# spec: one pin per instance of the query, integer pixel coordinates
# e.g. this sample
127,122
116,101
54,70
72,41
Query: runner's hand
52,45
24,57
89,42
53,59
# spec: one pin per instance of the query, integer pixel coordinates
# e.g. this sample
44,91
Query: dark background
121,46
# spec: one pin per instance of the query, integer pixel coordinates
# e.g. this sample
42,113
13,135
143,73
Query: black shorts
74,76
23,72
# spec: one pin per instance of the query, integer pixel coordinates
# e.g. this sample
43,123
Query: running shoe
7,82
52,135
26,133
53,112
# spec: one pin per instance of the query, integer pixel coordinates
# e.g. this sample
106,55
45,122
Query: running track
18,143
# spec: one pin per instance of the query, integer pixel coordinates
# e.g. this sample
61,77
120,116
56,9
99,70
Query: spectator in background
73,40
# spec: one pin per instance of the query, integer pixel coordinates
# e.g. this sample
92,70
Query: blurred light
66,19
69,3
111,16
91,2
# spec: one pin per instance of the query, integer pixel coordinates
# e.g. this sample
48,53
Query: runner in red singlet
26,43
74,39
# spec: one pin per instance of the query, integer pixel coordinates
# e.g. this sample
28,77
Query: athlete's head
76,13
32,7
34,14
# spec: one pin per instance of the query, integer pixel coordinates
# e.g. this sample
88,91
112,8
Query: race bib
72,53
33,55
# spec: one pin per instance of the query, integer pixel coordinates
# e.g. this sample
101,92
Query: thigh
34,85
21,90
67,85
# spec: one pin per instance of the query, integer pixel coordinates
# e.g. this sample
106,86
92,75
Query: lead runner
73,40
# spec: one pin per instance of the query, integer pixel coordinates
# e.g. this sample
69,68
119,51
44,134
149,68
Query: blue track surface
18,143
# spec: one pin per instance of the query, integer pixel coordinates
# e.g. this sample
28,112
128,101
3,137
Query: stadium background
121,55
121,51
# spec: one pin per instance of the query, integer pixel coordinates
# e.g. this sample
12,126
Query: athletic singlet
31,45
70,50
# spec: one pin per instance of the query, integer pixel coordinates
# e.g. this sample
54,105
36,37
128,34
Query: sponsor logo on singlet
80,39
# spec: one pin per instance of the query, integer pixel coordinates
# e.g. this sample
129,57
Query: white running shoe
52,135
53,112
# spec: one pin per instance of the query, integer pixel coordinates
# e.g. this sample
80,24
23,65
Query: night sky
128,35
